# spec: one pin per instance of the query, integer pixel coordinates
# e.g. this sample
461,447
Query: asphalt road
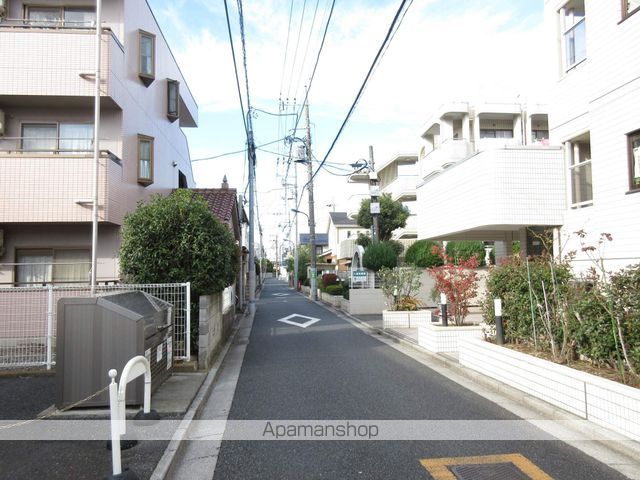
24,397
333,371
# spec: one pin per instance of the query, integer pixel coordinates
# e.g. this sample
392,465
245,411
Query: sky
443,51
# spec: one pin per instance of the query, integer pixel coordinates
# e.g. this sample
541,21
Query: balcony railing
46,187
449,152
402,186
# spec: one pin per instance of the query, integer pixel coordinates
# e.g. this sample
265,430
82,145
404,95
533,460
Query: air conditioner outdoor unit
1,120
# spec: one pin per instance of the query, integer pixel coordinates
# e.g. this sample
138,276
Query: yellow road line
438,467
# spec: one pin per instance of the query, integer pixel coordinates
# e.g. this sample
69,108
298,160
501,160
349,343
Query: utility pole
252,229
297,239
374,191
312,222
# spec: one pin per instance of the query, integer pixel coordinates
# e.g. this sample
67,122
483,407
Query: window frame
633,185
57,149
145,180
574,164
625,10
173,115
147,78
565,30
60,22
51,273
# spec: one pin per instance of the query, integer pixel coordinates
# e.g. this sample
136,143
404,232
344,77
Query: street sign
359,276
375,208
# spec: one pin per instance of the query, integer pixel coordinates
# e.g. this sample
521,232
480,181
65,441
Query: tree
379,255
177,239
393,215
421,254
459,282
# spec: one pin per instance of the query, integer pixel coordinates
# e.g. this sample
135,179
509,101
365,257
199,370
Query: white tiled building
595,116
47,71
487,173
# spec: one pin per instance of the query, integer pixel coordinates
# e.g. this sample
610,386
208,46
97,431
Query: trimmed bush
421,254
329,279
464,250
379,255
334,289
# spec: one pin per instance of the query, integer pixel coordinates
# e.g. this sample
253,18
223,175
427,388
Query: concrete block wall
210,323
436,338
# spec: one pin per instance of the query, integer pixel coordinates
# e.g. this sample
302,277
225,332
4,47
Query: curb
176,445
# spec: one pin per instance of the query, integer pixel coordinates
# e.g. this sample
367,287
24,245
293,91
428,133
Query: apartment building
47,73
487,172
595,116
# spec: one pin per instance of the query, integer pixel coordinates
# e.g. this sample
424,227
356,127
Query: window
145,160
574,31
42,137
182,180
629,7
37,266
578,152
491,133
147,67
634,160
73,17
57,137
173,89
539,135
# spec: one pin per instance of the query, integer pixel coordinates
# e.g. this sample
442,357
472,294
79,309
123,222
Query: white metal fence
28,319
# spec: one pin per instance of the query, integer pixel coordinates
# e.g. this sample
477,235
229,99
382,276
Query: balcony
347,248
493,192
55,188
448,153
57,62
403,187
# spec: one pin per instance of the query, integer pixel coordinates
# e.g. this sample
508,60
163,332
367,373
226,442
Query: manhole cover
491,471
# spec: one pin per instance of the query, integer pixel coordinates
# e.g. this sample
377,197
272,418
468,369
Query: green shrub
421,255
625,286
329,279
346,285
306,282
379,255
510,283
176,239
464,250
334,289
397,246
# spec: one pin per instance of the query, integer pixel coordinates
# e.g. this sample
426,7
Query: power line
286,49
295,54
315,66
236,152
235,68
306,50
397,20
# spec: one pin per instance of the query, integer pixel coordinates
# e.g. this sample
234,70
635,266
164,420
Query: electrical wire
237,151
295,54
397,20
235,68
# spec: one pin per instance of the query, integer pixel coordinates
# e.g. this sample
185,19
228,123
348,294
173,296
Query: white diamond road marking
280,294
311,321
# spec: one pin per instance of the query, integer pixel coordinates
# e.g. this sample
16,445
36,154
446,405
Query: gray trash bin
96,334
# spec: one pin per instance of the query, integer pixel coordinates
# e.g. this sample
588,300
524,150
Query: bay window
145,160
146,63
